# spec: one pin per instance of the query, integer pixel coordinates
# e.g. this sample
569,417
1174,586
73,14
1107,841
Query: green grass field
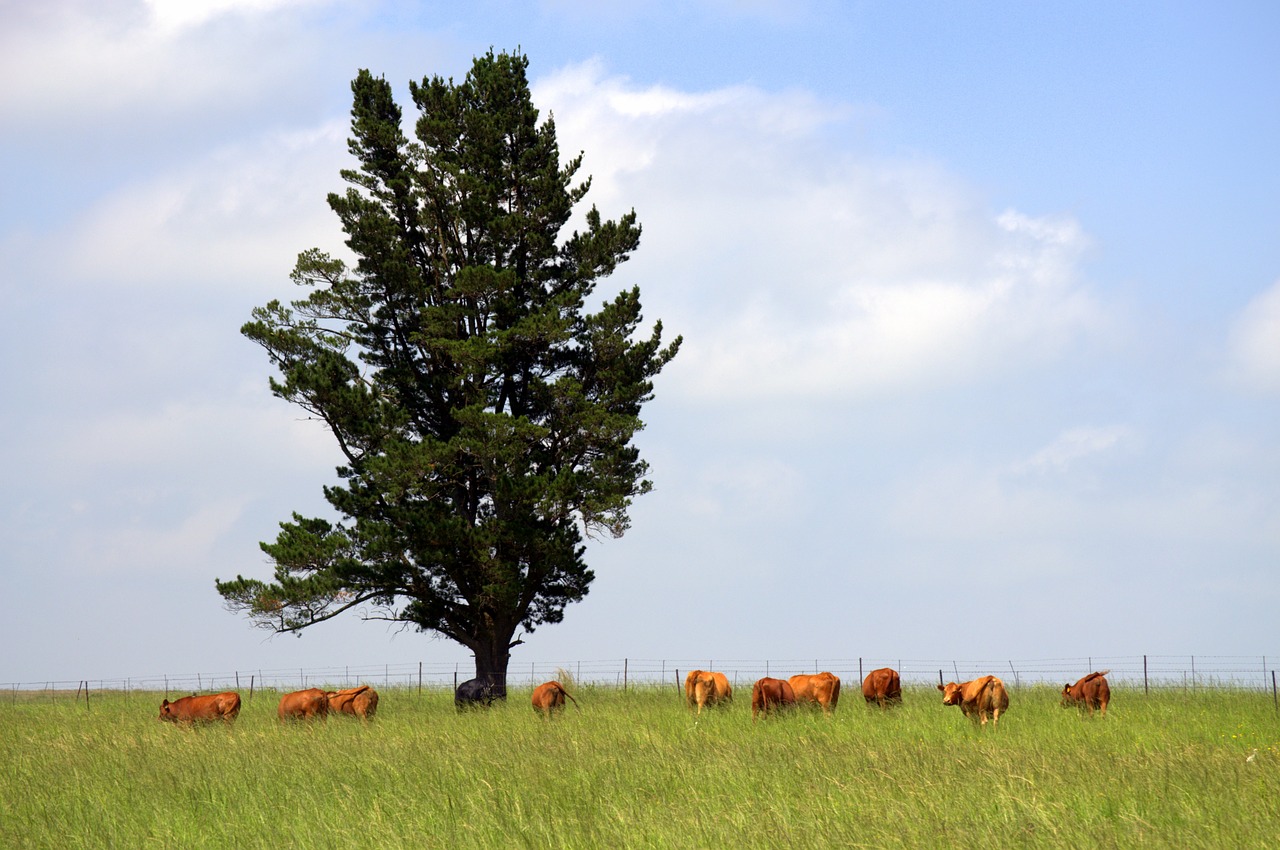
634,769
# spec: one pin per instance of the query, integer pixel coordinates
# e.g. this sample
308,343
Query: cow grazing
706,688
883,687
304,705
821,689
977,698
770,695
1091,692
549,698
480,692
359,702
194,709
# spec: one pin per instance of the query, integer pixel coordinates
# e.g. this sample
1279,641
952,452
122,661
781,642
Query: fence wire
1160,671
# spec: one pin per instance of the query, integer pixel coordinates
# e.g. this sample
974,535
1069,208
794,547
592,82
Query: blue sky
981,305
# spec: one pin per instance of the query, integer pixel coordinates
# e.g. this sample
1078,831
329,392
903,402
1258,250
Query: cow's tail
1093,676
570,696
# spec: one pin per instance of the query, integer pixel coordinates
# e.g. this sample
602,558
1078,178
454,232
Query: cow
1092,692
194,709
883,687
304,705
359,702
549,698
480,692
977,698
769,695
821,689
706,688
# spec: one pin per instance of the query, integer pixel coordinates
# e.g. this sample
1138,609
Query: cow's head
950,693
166,711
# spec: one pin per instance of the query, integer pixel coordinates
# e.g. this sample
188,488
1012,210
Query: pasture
634,769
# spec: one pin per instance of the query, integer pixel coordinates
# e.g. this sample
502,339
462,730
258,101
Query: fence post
1275,700
939,677
86,694
1146,687
251,679
677,680
624,675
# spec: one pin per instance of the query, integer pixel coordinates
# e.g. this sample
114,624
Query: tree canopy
483,402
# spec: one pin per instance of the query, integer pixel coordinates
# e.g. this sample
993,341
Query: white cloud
121,61
171,15
1073,445
1254,342
794,269
231,218
148,546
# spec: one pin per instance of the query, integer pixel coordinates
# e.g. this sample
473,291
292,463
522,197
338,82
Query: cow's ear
164,704
944,690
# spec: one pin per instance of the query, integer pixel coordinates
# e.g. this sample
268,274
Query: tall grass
635,769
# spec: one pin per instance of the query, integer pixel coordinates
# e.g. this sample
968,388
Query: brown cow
1092,691
977,698
549,698
193,709
821,689
359,702
706,688
883,687
304,705
768,695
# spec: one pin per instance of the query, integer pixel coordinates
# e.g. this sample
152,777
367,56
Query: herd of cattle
978,699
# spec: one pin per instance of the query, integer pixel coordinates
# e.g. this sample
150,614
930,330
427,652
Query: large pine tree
485,413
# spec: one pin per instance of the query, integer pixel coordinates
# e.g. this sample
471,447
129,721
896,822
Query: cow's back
548,697
722,691
224,706
365,704
822,689
986,696
359,702
1092,691
768,694
882,686
304,705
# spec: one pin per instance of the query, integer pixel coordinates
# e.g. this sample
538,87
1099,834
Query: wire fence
1255,672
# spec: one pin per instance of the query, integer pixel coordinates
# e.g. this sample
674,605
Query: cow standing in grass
705,688
883,687
359,702
549,697
769,695
821,689
1091,692
304,705
978,698
194,709
478,693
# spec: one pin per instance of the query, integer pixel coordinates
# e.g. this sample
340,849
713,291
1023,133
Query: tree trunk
493,654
